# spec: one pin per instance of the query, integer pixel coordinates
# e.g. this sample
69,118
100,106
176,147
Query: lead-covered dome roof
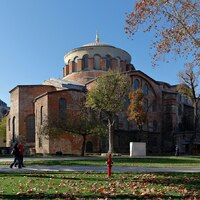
97,48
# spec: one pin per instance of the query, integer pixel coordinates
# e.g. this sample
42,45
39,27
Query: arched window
145,89
41,115
13,128
108,62
118,62
9,124
154,106
30,128
136,84
85,61
75,63
62,109
155,125
145,105
97,59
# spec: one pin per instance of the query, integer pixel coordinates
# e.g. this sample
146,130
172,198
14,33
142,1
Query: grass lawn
74,185
183,161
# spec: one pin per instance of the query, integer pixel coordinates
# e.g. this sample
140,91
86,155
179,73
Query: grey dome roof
97,44
99,48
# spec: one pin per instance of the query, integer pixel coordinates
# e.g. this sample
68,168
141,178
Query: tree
176,25
136,110
108,97
3,129
84,123
189,84
81,122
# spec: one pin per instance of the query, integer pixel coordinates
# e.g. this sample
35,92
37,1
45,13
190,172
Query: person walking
21,153
16,154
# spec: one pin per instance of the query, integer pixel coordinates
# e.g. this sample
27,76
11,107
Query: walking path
99,169
4,168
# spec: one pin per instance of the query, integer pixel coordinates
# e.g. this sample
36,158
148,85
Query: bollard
109,164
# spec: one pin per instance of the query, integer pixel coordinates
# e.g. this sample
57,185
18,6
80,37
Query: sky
36,34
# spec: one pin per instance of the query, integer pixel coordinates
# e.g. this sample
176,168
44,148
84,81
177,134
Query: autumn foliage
136,108
175,24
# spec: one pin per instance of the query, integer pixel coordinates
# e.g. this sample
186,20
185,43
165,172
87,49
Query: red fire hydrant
109,164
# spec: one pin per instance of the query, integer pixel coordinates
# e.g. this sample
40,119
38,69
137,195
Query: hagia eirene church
170,115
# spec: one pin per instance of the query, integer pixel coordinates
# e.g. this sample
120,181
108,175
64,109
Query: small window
75,63
145,89
136,84
108,61
118,62
9,124
13,129
41,115
85,61
97,59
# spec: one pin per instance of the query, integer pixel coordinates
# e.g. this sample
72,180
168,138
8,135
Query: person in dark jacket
16,154
21,153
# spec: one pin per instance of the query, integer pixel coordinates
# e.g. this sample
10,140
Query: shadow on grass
148,161
101,196
190,181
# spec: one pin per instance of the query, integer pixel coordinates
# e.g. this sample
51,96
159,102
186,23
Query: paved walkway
100,169
91,168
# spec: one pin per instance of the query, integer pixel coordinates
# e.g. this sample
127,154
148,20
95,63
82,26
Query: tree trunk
110,135
83,145
195,119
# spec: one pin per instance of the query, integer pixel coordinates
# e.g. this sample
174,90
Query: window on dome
85,61
118,62
97,59
76,63
145,89
108,62
136,84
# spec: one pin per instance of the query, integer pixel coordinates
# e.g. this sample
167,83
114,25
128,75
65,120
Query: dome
91,60
97,48
97,44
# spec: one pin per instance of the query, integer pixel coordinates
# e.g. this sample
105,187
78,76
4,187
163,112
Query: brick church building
170,115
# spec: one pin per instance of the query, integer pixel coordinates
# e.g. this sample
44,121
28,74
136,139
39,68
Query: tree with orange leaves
136,110
176,24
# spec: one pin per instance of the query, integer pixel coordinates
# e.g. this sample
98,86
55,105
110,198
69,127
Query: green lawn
72,185
124,161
